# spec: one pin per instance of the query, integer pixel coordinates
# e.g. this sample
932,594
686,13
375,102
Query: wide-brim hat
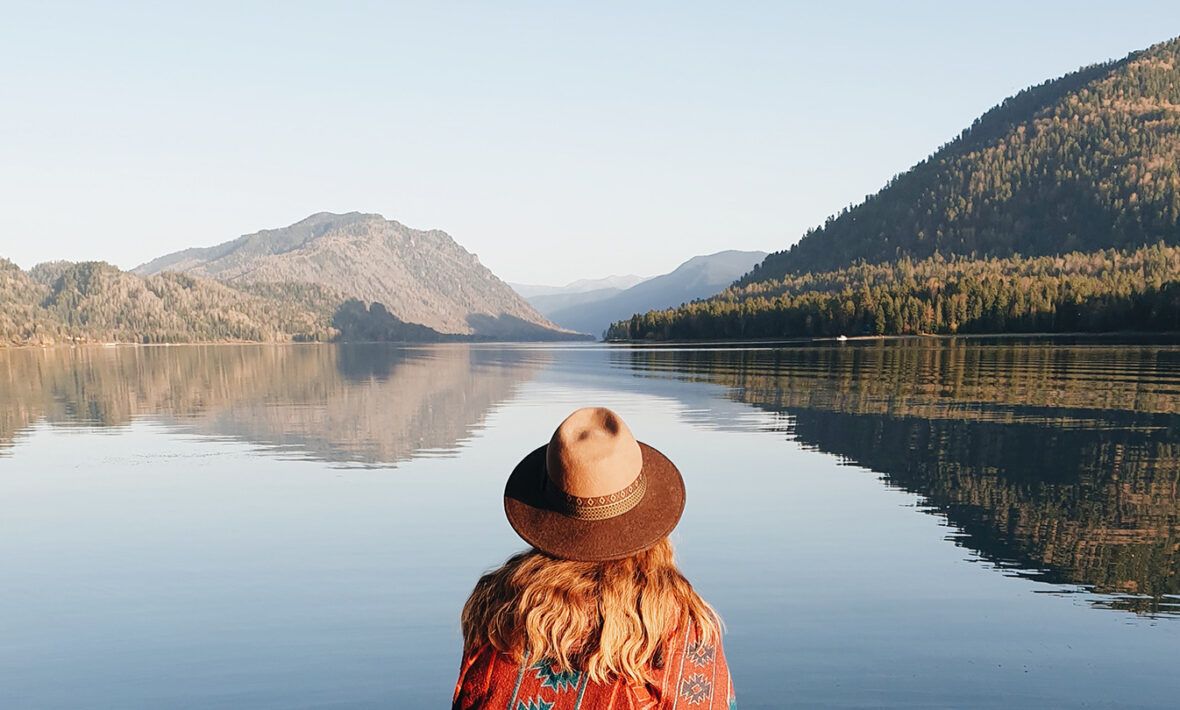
593,492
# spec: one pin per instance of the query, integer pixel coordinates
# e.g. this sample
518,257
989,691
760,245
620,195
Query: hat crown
593,453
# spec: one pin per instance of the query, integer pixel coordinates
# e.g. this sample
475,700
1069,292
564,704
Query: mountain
1056,211
553,302
615,282
420,277
96,302
1084,162
304,282
699,277
549,299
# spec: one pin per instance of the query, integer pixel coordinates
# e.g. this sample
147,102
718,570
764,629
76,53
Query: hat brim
535,518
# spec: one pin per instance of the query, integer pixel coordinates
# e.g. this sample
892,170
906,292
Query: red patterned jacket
694,677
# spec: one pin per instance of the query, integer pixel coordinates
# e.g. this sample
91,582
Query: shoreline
95,344
1170,335
1166,337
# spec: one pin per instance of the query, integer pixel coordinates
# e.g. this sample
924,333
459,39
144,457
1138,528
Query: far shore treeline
1080,292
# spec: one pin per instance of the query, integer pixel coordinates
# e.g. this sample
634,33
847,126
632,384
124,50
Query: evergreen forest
1100,291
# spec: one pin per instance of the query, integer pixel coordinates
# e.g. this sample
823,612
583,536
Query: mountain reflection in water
361,404
1055,462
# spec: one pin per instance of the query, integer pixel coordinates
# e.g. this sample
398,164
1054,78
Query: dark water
948,524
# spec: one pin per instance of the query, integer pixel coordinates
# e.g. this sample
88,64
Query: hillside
699,277
96,302
1085,162
421,277
20,306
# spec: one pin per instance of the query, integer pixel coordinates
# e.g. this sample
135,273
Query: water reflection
365,404
1059,463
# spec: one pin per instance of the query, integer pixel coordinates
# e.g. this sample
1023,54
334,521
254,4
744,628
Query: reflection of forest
372,404
1061,463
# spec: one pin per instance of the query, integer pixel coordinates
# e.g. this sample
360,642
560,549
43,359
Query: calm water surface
948,524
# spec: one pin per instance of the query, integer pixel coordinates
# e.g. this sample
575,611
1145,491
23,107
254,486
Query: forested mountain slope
96,302
1085,162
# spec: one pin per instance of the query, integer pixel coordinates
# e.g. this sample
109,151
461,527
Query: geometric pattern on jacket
694,676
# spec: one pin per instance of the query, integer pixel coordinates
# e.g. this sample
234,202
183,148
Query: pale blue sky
556,140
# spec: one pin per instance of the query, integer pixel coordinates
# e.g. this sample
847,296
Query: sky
556,140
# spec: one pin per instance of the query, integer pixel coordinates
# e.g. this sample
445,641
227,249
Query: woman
596,616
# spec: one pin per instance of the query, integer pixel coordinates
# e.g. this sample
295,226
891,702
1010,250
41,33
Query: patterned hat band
597,507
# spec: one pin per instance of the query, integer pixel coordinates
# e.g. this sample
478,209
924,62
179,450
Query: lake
961,523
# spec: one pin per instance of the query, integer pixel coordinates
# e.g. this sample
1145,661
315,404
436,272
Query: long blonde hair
608,619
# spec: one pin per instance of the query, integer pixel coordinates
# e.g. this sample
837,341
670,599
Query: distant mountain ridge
616,282
699,277
420,277
1087,161
262,243
555,302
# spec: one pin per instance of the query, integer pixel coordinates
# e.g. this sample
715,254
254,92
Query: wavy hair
608,619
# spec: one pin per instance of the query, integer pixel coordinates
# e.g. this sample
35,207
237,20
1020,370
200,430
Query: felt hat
593,492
